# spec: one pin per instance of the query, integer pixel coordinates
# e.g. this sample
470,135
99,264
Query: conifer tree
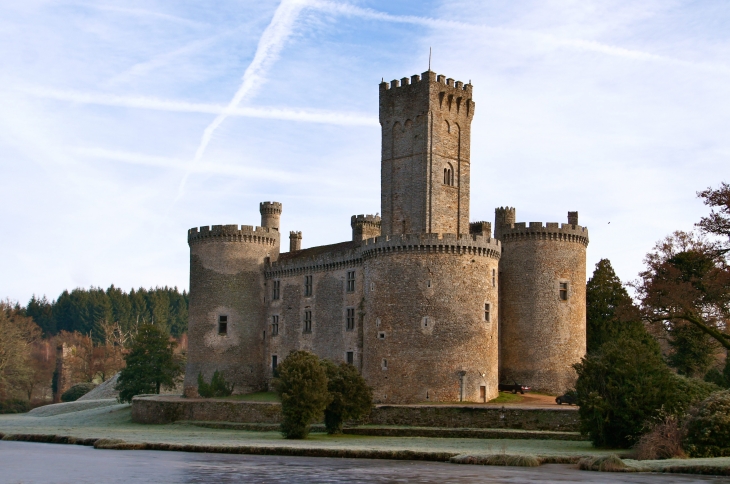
151,364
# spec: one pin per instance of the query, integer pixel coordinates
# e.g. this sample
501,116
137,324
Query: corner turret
270,214
365,227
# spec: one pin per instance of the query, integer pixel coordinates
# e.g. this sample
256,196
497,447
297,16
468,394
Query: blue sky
124,123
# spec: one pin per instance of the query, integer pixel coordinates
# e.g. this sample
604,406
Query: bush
77,391
351,396
721,379
218,386
625,384
14,406
663,440
302,386
708,427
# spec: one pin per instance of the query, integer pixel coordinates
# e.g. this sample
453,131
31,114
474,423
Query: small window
350,281
274,361
307,321
487,312
350,355
222,324
563,291
381,335
276,293
372,286
275,325
385,364
350,320
307,285
449,175
494,277
428,283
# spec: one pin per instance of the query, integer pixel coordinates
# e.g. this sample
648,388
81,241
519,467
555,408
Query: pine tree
151,364
608,309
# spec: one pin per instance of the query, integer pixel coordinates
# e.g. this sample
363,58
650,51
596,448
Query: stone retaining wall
163,409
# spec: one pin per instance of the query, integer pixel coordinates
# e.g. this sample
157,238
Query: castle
429,306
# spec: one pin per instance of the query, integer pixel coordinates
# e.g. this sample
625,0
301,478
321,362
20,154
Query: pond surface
24,462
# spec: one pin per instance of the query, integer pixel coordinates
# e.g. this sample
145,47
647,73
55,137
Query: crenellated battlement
270,208
364,219
233,233
365,227
549,231
433,243
425,78
316,263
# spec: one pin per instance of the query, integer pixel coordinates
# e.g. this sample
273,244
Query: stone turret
364,227
270,214
503,217
295,241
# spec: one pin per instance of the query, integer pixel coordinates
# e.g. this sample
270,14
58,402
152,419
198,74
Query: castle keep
428,306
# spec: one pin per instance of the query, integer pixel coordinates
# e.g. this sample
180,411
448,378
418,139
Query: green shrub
721,379
708,427
625,384
77,391
351,396
218,386
302,386
14,406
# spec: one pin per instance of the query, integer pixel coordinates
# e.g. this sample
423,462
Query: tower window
275,325
487,312
276,293
563,291
385,364
350,281
350,320
449,175
494,277
308,285
222,324
381,335
307,321
350,356
274,361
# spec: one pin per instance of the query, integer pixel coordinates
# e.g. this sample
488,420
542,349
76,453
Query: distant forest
84,310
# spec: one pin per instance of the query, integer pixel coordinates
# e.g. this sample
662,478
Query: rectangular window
494,277
350,319
350,281
222,324
350,357
275,325
276,293
307,285
274,361
307,321
563,291
487,312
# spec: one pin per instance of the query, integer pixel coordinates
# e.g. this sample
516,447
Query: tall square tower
426,133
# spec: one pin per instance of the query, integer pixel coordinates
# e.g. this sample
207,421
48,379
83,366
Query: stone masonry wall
426,125
541,335
226,279
425,337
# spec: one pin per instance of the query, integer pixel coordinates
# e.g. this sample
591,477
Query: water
24,462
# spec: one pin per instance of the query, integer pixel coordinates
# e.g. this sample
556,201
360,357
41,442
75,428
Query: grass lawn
508,397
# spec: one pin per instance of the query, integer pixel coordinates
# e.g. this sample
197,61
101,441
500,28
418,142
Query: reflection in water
51,463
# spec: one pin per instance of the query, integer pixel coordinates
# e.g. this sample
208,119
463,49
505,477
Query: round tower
542,319
430,318
226,315
270,214
503,216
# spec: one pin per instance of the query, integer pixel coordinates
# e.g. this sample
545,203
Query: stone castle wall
425,337
541,335
227,279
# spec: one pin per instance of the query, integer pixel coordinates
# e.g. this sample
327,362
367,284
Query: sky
124,123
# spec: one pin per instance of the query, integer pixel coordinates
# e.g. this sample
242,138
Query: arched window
449,176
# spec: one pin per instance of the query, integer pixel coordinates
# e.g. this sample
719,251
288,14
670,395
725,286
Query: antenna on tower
429,58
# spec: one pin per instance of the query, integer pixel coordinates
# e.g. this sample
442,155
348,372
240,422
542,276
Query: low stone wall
161,410
478,417
155,409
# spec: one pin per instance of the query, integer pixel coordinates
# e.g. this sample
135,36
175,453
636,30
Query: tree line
86,311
